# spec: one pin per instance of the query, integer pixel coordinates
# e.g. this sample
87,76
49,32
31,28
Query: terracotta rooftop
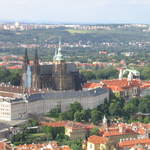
45,146
124,83
97,139
14,67
133,128
131,143
115,133
54,124
119,85
5,146
18,89
91,85
2,145
68,124
145,84
75,125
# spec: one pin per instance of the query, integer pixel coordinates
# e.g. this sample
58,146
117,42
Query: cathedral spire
36,62
36,72
26,61
36,56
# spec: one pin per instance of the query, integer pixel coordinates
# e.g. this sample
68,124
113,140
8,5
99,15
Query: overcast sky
79,11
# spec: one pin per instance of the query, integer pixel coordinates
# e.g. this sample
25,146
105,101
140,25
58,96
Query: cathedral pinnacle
36,62
26,60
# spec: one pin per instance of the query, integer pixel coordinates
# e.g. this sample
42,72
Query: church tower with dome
62,77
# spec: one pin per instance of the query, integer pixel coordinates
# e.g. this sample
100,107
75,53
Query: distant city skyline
76,11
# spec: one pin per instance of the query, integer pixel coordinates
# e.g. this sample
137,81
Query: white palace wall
21,109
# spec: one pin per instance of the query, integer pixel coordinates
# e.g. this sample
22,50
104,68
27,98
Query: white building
21,106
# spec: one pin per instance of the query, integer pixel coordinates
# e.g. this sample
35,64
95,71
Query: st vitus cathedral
60,75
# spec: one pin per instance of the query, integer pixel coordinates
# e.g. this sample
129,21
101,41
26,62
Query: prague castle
45,87
60,75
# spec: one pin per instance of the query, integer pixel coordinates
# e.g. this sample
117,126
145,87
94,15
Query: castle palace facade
60,75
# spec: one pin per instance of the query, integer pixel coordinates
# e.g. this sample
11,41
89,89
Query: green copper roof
58,55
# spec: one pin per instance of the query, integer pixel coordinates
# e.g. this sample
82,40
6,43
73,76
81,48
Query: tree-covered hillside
78,42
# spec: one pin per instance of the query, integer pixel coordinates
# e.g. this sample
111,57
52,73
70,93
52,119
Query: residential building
16,105
124,87
5,146
74,130
98,143
53,145
122,136
134,144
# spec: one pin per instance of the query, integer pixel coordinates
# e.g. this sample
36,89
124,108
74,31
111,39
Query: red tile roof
131,143
91,85
145,84
54,124
97,139
75,125
133,128
68,124
18,89
5,146
115,133
124,83
116,84
2,145
15,67
45,146
3,64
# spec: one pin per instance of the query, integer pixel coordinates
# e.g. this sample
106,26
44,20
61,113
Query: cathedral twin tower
60,75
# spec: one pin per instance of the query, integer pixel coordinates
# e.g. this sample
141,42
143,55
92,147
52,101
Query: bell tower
59,70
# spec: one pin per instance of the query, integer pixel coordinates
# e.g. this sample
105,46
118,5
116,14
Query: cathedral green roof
58,55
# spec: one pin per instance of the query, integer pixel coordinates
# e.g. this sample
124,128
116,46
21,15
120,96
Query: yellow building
75,130
98,143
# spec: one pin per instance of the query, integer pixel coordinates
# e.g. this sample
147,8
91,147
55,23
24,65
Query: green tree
94,131
144,106
66,116
32,123
146,120
96,116
48,131
145,73
130,108
89,75
107,73
135,101
86,115
104,108
54,112
78,116
76,106
13,77
115,109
